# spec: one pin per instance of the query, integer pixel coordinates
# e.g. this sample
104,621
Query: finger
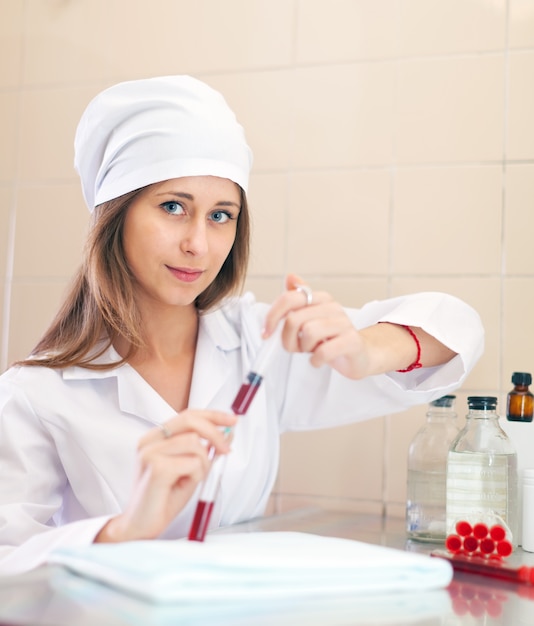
206,424
304,329
292,281
179,445
330,349
165,469
292,299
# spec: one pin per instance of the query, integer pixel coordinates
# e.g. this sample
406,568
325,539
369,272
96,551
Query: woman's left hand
320,328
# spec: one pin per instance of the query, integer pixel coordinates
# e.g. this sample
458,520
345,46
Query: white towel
263,565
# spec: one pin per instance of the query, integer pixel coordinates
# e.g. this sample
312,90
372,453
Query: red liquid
470,543
496,569
480,530
201,521
504,548
453,543
240,405
246,394
464,528
497,532
487,546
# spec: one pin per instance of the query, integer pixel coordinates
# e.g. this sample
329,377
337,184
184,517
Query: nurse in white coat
104,429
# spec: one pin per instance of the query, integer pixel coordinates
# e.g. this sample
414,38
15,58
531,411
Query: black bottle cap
521,378
482,403
447,401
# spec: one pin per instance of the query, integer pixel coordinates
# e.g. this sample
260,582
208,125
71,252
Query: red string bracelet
417,363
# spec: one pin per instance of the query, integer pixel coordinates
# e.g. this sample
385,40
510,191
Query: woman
105,428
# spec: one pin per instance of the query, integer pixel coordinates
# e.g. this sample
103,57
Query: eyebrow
188,196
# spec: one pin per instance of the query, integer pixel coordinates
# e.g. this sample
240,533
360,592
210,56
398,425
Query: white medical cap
146,131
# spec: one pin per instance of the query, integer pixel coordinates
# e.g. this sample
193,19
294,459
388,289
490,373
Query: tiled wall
394,152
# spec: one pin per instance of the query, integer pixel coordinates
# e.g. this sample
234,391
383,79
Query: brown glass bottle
520,403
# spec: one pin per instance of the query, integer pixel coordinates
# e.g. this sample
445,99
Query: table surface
52,596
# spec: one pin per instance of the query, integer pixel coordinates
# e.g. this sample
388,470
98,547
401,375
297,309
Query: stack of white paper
264,565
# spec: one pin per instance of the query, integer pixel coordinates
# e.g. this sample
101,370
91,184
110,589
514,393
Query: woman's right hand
170,466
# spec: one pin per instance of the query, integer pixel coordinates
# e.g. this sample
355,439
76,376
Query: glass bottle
520,402
482,469
427,466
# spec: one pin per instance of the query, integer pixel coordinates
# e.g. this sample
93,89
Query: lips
185,274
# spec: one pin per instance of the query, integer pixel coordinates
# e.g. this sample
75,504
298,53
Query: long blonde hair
100,304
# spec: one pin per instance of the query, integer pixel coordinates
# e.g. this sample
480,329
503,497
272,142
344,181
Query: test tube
240,405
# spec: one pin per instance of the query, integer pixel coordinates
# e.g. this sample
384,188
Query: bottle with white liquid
482,469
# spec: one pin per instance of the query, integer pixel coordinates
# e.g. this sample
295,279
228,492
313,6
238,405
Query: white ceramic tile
67,41
52,223
346,30
432,27
33,305
519,219
521,23
263,104
9,124
450,110
180,36
350,467
520,122
338,223
11,48
265,289
343,115
49,118
517,336
268,203
447,220
6,207
350,291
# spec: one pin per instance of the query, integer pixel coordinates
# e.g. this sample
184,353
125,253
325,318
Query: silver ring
307,292
166,432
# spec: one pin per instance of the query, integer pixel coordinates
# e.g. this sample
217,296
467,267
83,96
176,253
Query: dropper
240,405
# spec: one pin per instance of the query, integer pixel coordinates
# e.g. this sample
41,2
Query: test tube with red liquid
479,540
240,405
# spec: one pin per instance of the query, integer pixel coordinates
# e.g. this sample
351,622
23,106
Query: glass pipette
243,399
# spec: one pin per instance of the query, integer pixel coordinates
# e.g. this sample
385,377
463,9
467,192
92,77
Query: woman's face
177,235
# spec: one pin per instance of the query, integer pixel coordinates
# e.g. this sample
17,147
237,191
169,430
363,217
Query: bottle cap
447,401
482,403
521,378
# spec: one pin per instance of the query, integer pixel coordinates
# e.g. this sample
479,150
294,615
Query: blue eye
220,217
173,207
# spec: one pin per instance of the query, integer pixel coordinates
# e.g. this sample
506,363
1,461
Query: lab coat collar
216,337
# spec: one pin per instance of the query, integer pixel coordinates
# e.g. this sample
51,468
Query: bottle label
477,482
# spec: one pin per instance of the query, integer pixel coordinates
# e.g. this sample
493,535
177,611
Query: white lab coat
68,438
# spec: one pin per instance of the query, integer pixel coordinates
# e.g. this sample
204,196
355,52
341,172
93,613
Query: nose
195,240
